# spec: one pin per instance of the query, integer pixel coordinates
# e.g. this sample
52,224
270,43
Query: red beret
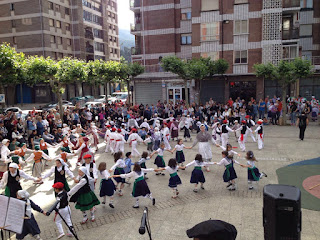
85,139
165,124
113,129
247,116
225,121
243,121
108,126
58,185
260,122
87,156
133,129
119,130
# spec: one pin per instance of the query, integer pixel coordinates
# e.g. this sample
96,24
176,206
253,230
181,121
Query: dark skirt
229,174
46,151
159,162
186,132
30,226
119,171
86,201
174,181
197,176
180,157
174,133
140,188
107,188
253,174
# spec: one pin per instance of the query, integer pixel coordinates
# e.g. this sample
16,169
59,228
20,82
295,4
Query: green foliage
11,65
198,69
72,70
175,65
220,66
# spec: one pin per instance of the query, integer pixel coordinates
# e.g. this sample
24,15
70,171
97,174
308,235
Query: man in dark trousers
302,123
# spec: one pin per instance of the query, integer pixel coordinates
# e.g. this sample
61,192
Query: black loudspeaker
281,212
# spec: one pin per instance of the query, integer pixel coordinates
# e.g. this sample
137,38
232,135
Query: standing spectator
3,130
40,127
279,111
293,113
31,139
302,123
30,126
261,108
273,112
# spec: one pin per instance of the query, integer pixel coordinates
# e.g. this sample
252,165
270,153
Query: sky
125,16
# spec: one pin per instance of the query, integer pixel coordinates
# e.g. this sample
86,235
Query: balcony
290,34
316,62
153,68
135,5
135,28
89,48
88,34
291,4
136,51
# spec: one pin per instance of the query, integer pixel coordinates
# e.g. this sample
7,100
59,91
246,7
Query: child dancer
174,180
65,143
92,170
82,195
37,157
64,155
140,187
60,171
253,173
129,164
133,140
44,148
229,174
30,225
63,208
166,136
148,141
159,161
107,187
259,131
118,169
241,140
119,138
197,173
157,138
179,154
231,153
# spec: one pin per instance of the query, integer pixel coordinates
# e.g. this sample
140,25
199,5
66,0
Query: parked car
17,110
93,104
122,96
50,106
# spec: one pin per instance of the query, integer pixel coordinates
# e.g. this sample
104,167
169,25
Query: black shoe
153,201
157,173
135,206
163,174
265,174
103,202
229,185
111,205
202,188
146,178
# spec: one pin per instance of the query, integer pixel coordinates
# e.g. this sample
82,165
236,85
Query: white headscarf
25,195
62,161
84,170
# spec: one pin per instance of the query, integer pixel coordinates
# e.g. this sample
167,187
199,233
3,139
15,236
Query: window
53,39
50,5
51,22
13,23
210,31
186,16
60,55
241,27
115,51
306,3
241,57
67,11
59,40
111,50
240,1
68,28
58,24
97,33
110,39
289,52
14,40
209,5
69,42
57,8
99,47
186,40
115,39
213,55
55,55
306,30
87,16
11,6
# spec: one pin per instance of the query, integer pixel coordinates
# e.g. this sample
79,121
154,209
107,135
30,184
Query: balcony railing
291,3
135,3
316,60
153,68
135,27
89,49
136,51
290,34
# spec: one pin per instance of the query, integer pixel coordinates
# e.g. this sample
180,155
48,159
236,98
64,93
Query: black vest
244,129
90,169
260,131
60,176
249,124
82,190
14,184
63,199
224,128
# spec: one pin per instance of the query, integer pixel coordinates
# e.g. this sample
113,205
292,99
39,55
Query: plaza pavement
171,218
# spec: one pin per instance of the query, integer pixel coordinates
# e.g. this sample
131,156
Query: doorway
176,94
244,90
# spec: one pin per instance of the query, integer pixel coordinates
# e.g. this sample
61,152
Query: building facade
244,32
85,29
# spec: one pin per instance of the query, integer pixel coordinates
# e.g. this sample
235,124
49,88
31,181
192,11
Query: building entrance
244,90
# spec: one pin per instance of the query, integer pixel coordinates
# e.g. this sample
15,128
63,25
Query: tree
177,66
109,72
93,77
128,72
285,73
11,72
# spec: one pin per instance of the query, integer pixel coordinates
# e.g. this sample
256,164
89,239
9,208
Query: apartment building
85,29
244,32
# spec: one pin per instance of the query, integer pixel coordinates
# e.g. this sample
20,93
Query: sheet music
3,209
15,215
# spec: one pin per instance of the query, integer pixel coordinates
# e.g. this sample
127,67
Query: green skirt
46,151
86,201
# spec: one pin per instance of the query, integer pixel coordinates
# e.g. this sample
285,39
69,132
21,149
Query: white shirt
230,153
226,162
119,164
105,174
52,171
94,170
79,185
22,174
160,152
143,160
179,147
251,163
107,135
148,140
198,164
136,175
4,153
171,170
134,137
145,125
